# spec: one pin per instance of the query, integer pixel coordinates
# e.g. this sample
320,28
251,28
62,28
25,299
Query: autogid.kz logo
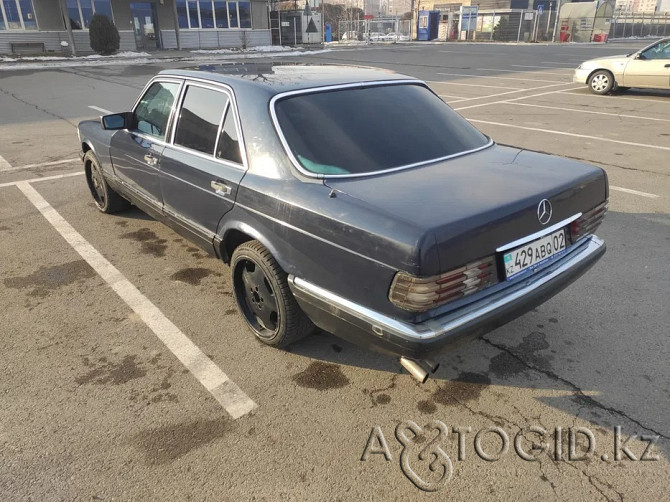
425,462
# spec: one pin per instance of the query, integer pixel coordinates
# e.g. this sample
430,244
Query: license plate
534,253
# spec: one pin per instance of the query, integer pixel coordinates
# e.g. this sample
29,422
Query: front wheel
106,199
263,296
601,82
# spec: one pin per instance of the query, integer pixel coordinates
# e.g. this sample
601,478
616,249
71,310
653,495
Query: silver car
648,68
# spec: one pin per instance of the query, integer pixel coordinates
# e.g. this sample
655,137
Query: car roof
277,78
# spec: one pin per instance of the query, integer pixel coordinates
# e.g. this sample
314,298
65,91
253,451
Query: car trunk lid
476,203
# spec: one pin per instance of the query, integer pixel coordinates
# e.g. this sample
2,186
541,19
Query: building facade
33,25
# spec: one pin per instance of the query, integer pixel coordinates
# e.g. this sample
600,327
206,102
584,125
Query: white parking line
101,110
495,77
594,112
661,100
514,99
541,67
635,192
562,133
459,98
527,72
222,388
4,165
42,164
447,82
45,178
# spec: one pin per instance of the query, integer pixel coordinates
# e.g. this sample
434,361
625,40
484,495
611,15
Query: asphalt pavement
567,402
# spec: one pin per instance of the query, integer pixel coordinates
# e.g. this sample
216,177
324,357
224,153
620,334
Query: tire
106,199
601,82
261,290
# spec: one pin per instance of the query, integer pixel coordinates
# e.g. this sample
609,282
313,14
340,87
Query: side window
658,51
199,119
153,111
228,147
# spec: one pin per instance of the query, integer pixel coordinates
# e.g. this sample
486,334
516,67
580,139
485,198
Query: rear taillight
418,294
588,222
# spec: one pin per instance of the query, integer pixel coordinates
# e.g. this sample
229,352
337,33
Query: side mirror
641,56
117,121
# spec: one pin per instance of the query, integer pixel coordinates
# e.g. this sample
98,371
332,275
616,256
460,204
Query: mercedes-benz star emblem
544,211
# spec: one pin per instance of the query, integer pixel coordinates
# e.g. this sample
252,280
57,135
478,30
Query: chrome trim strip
314,90
188,224
537,235
434,328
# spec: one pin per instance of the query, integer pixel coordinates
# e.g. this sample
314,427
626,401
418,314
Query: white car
647,68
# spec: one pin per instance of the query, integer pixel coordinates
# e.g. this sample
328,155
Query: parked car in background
349,198
647,68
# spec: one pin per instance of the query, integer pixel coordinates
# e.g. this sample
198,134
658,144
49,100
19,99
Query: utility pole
558,14
176,25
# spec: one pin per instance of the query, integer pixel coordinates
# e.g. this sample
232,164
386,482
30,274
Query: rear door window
199,118
152,113
228,147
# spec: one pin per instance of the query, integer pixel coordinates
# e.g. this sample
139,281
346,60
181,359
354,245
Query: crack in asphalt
11,94
588,400
99,78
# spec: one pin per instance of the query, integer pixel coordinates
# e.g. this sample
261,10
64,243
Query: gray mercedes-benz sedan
351,199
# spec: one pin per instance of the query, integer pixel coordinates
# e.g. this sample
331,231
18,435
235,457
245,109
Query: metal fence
640,25
513,26
374,30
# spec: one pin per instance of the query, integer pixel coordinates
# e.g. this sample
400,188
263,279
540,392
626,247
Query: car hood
478,202
609,59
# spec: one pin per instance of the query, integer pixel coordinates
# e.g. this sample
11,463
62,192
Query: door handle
150,159
667,65
220,188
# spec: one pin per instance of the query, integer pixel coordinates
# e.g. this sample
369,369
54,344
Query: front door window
153,111
659,51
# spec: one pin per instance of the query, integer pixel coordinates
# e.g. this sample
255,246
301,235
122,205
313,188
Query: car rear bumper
382,333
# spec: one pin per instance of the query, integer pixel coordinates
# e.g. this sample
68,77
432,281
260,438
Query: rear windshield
363,130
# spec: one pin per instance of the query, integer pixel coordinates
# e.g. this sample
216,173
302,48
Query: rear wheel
106,199
601,82
263,296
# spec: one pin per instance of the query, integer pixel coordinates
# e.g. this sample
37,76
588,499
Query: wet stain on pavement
48,279
506,365
531,344
336,348
230,312
4,228
191,276
383,399
426,406
116,373
321,376
151,244
553,320
166,444
467,387
122,223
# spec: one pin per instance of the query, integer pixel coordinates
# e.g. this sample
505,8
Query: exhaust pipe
414,369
